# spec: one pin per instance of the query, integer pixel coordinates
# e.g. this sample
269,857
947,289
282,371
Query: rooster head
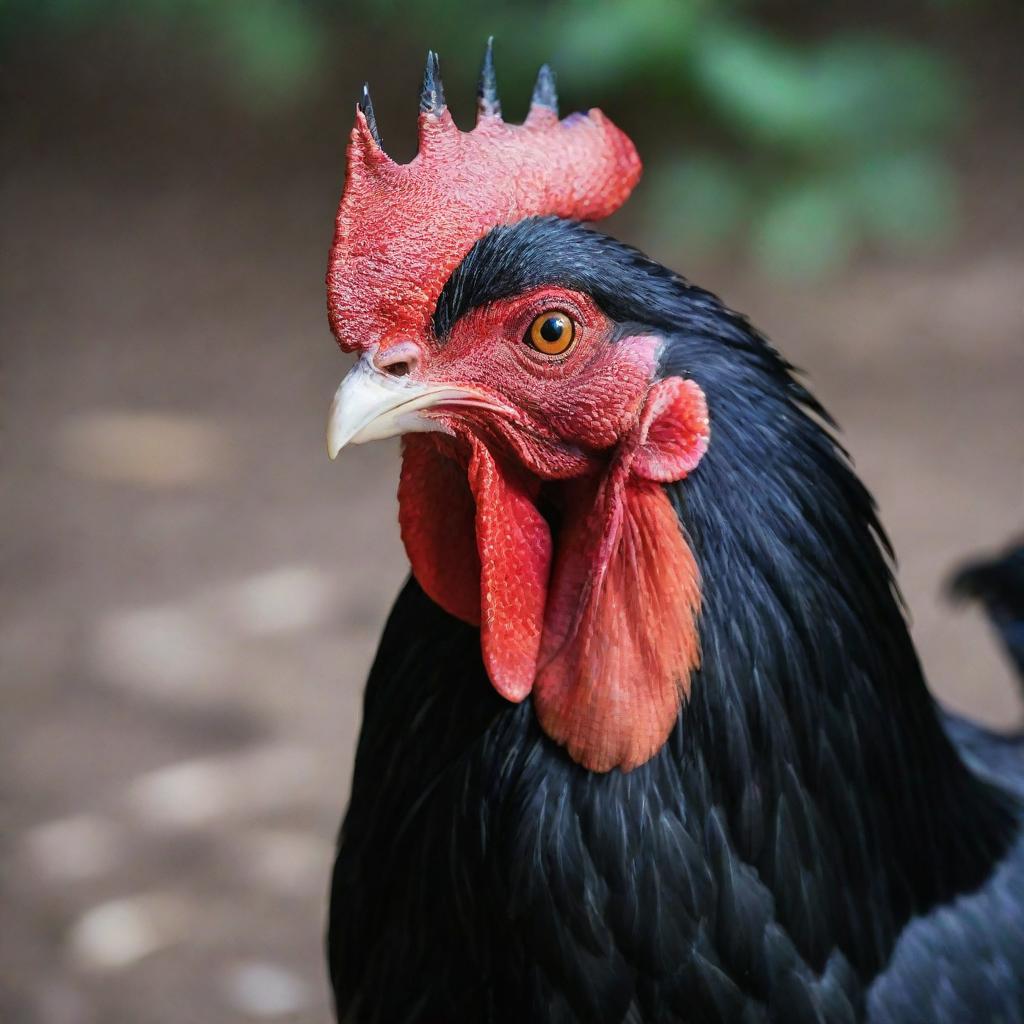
537,428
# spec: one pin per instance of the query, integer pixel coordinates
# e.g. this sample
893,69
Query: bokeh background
191,593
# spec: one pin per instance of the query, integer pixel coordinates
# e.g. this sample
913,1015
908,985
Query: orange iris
552,333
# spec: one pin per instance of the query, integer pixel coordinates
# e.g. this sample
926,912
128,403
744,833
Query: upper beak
370,405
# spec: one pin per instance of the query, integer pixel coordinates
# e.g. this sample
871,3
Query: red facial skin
598,623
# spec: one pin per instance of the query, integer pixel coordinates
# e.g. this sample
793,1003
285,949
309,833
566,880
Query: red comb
403,228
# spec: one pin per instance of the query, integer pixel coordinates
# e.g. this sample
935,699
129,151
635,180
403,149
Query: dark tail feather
998,584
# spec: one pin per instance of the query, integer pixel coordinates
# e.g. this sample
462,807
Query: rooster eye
552,333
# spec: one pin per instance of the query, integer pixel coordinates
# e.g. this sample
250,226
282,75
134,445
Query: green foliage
804,231
609,43
851,93
273,50
907,199
694,203
806,150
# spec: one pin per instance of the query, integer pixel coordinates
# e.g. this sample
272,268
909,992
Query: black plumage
998,583
809,845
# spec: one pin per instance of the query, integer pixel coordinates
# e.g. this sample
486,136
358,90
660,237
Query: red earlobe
673,431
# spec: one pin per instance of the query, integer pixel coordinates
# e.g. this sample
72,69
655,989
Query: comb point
487,101
366,106
432,94
544,93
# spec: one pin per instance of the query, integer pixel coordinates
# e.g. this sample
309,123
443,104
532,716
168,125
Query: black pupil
552,329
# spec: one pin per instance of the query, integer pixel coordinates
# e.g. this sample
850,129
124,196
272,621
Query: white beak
370,405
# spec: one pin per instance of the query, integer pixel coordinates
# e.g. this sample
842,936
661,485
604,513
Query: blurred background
191,593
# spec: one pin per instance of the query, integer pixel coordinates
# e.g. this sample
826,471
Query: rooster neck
810,706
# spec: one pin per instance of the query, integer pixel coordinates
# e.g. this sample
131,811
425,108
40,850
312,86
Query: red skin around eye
599,622
566,408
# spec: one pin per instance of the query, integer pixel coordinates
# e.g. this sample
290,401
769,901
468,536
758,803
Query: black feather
809,845
998,583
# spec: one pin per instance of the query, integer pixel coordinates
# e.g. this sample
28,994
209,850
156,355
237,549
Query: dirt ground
191,593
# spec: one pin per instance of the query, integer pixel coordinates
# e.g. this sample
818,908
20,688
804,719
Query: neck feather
810,702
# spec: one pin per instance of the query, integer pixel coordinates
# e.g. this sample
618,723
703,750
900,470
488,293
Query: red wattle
514,545
613,675
605,639
479,548
436,514
620,633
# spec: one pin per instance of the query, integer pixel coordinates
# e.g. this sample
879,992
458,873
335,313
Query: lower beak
370,405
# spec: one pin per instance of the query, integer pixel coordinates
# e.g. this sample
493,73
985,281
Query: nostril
398,360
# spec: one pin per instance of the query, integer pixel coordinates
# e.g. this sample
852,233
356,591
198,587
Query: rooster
646,738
